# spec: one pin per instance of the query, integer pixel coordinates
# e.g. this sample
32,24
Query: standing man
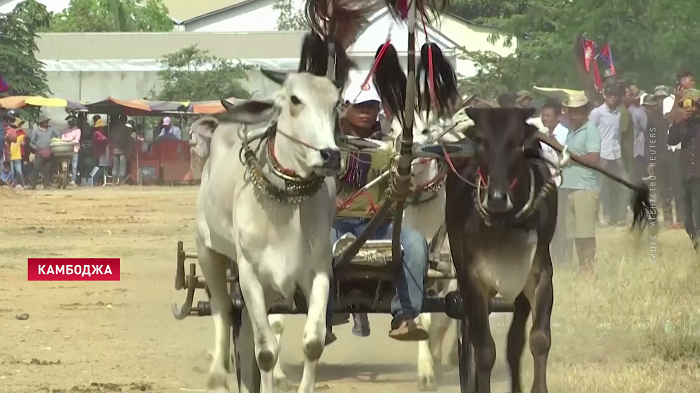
639,125
169,130
581,185
524,99
120,137
668,166
673,113
686,130
606,119
40,141
72,135
550,114
16,153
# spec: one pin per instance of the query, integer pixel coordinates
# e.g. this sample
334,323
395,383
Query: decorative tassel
358,169
314,58
390,80
439,81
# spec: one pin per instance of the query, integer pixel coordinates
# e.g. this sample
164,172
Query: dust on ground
632,328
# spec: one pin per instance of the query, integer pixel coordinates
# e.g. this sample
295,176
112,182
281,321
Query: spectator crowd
26,155
641,136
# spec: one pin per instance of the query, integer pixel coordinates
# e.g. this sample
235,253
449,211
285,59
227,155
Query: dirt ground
633,328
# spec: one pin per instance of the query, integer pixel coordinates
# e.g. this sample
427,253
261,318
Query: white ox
426,217
275,246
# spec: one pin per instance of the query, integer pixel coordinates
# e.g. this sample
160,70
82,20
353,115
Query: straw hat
693,94
575,101
100,123
649,100
662,91
524,94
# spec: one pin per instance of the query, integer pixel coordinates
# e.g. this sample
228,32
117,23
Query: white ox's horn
276,76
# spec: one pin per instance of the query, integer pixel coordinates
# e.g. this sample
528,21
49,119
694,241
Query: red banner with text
73,269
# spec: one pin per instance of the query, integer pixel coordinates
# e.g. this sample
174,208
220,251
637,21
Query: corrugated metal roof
104,46
184,10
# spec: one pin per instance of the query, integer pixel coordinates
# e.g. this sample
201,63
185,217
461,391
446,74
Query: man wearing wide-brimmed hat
524,99
687,132
580,185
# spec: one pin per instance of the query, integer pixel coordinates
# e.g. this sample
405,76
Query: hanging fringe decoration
399,8
355,13
390,80
439,81
314,58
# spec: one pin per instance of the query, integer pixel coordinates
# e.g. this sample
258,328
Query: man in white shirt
550,114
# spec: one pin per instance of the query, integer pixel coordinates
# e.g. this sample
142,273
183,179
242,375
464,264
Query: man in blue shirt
580,185
606,118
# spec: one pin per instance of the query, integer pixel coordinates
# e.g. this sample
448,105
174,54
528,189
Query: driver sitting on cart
353,215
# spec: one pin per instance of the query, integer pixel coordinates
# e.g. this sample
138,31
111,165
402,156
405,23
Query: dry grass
634,327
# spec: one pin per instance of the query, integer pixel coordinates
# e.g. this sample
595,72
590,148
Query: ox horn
227,105
276,76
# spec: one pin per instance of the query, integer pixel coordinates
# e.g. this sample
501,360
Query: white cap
356,93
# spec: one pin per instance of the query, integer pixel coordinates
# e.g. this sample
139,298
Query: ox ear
276,76
473,113
251,111
205,126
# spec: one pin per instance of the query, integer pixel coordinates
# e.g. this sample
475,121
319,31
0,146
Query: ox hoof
218,382
427,383
281,383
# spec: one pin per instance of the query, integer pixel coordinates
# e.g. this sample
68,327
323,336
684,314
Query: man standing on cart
362,104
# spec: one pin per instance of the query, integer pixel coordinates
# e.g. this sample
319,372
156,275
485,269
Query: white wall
255,16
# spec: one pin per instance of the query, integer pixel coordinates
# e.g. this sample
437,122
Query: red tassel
402,7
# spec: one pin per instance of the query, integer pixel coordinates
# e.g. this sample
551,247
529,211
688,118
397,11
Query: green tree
650,40
191,74
290,18
112,15
18,66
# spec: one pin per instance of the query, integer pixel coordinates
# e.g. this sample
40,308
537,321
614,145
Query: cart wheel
243,347
467,367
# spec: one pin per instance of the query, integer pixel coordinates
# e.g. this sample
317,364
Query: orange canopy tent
210,107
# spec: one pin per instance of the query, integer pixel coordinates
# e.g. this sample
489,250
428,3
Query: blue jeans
409,279
74,167
16,167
